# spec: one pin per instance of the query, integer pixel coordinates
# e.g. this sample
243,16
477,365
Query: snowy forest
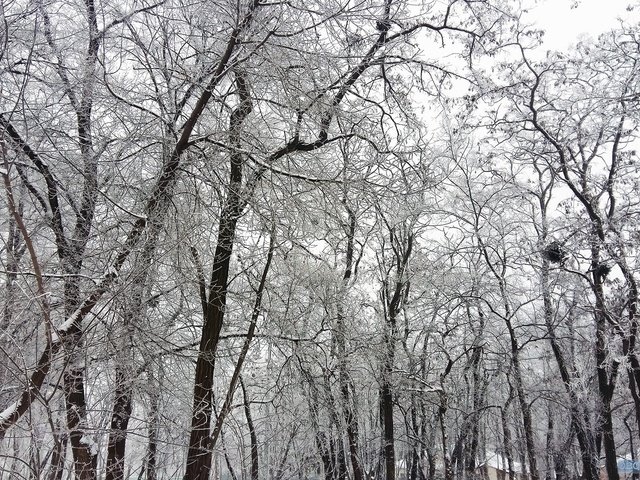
316,240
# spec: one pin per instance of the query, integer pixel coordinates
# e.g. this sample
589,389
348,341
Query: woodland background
338,239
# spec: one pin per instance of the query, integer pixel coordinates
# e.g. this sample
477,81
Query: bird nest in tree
555,253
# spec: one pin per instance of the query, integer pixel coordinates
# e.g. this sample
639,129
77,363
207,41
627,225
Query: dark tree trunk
386,412
348,406
579,417
122,407
414,456
352,432
255,466
199,454
394,293
442,420
152,448
606,380
506,440
472,440
525,408
84,451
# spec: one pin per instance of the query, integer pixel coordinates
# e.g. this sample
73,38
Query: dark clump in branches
383,25
555,253
602,270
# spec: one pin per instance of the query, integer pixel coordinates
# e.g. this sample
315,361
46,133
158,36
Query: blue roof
628,466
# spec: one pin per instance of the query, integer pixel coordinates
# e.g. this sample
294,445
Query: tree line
340,240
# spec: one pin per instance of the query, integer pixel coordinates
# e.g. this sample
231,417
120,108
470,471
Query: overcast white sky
565,21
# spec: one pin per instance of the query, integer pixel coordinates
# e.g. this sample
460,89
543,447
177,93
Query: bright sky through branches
567,21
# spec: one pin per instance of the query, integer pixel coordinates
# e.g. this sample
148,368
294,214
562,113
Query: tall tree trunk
635,474
386,405
525,408
394,293
84,450
506,440
414,455
348,407
444,438
606,380
72,253
15,249
199,452
499,269
480,383
579,418
443,407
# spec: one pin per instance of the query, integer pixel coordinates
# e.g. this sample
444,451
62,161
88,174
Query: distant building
627,467
497,468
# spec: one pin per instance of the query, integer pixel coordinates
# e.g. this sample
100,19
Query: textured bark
236,377
199,454
480,384
394,293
